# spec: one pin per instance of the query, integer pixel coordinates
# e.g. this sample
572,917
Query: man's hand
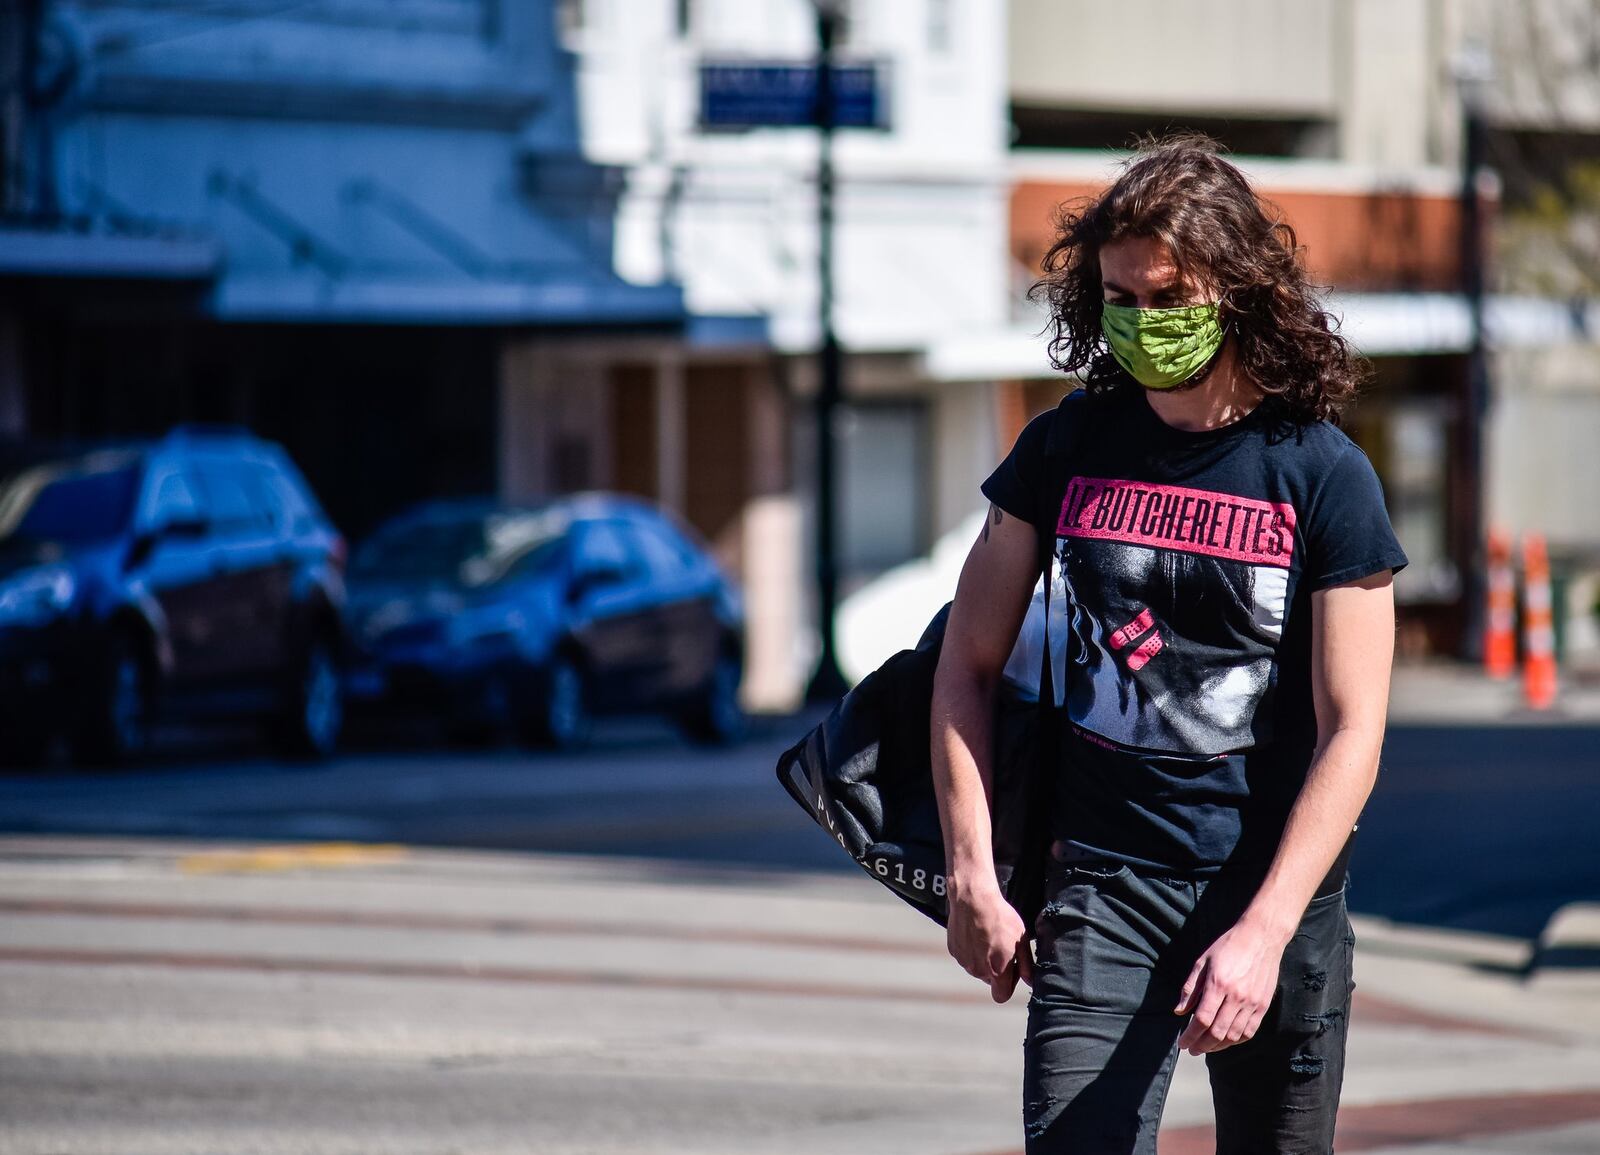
1230,988
1232,984
987,937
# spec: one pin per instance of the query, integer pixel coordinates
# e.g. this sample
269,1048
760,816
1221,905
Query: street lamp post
827,682
1473,72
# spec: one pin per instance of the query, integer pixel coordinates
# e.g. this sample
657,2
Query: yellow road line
298,856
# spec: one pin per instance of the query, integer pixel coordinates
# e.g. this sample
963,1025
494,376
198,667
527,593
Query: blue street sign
748,94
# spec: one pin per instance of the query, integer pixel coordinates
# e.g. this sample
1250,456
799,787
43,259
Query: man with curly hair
1221,633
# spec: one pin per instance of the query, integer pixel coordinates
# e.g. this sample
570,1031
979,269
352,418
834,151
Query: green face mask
1161,348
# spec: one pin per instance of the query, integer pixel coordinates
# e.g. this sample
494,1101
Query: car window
433,548
294,497
89,499
667,556
545,557
520,544
471,549
604,548
175,499
234,508
264,495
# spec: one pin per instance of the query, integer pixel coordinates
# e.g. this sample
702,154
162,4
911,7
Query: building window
1418,500
1041,126
685,13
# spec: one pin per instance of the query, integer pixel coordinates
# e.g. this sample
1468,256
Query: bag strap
1026,891
1066,435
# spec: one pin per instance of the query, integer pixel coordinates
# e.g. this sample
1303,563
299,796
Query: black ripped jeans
1113,949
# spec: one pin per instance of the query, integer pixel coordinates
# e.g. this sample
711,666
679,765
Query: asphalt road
191,996
173,997
1484,828
1488,828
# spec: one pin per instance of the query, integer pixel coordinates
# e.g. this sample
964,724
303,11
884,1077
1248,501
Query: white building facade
718,424
1350,116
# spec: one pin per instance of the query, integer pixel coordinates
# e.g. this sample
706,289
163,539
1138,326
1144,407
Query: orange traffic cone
1499,636
1538,630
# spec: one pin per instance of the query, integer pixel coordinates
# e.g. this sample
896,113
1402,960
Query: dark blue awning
39,252
360,298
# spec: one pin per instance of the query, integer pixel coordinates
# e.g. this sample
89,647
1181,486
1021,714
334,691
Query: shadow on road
1488,828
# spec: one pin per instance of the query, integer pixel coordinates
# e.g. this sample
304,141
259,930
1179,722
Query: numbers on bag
920,879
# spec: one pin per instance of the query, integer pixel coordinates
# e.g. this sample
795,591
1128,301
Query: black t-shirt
1180,624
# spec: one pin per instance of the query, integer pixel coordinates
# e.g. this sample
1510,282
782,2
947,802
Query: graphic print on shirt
1174,599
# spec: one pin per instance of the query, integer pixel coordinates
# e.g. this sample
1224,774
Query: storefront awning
558,299
66,253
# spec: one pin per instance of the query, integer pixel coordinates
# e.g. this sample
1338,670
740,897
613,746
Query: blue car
540,617
193,576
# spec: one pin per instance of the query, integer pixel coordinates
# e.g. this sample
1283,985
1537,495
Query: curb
1570,940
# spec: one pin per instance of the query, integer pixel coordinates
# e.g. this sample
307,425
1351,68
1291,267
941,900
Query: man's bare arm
1352,649
1352,652
991,600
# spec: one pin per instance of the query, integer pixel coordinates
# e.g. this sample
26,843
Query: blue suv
538,617
195,575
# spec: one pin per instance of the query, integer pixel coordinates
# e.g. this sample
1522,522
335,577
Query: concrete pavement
163,997
1445,693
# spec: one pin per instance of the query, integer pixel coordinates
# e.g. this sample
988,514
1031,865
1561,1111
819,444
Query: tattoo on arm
993,519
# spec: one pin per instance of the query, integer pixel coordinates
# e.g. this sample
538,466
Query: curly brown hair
1181,191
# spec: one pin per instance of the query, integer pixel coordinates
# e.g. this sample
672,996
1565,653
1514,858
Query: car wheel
716,717
119,707
313,709
560,717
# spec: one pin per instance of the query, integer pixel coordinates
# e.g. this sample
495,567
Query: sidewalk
1455,693
165,997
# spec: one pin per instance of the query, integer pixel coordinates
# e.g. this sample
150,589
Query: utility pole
1473,73
827,682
